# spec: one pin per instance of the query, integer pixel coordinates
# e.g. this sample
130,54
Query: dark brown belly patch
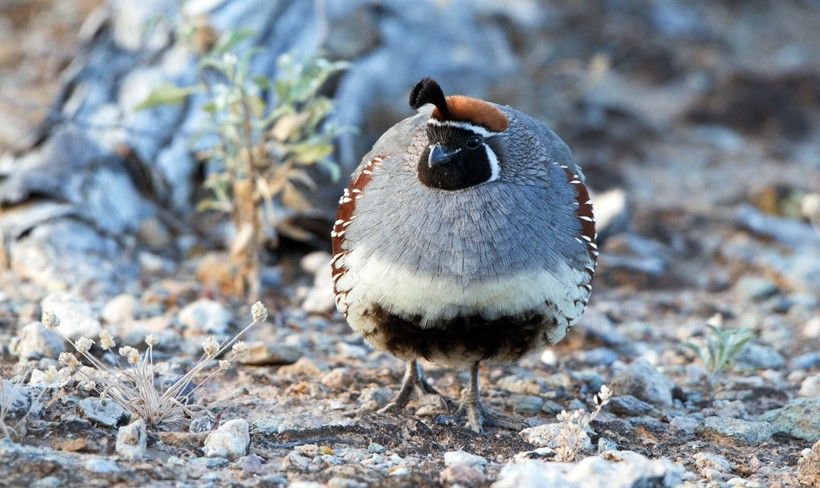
462,338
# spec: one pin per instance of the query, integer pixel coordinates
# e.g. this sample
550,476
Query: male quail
466,235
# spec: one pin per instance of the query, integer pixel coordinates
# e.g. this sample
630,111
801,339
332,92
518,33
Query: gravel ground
711,225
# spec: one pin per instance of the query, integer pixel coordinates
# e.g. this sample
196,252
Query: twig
312,440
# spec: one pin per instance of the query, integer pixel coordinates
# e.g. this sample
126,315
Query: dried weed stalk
130,382
572,433
9,391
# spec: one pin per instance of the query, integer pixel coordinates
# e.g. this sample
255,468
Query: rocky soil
698,125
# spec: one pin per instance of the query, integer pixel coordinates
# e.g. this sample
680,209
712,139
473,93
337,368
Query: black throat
464,165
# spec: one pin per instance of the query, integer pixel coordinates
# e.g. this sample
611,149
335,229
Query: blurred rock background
686,116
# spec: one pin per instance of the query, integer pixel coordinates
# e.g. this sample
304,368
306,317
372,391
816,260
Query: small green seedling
722,346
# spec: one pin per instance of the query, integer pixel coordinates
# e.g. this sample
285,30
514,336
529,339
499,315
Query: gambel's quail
466,234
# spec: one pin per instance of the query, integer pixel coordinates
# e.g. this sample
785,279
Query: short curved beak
439,156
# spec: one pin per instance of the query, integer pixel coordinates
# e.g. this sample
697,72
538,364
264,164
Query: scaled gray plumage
489,271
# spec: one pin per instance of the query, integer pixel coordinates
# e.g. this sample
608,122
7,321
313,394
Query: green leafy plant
721,348
269,137
131,382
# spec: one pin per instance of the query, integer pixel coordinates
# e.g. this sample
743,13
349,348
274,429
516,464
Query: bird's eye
473,142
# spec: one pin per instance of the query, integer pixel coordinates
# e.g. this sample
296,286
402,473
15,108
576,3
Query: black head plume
428,91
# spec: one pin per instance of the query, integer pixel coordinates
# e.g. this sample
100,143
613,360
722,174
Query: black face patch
456,158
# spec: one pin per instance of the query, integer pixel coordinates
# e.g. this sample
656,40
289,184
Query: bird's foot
477,418
413,386
473,410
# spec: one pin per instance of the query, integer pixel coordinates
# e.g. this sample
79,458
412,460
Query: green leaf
307,153
229,39
261,82
335,171
166,94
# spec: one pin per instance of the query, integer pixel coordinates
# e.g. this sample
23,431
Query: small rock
790,232
77,319
209,462
251,464
71,426
152,264
262,354
102,411
229,441
630,406
295,461
302,425
798,418
808,360
618,469
527,405
600,356
810,387
17,401
121,309
339,378
606,445
517,384
308,450
133,332
741,431
315,262
812,328
47,482
612,212
102,466
644,382
319,299
132,441
154,234
752,288
339,482
49,377
375,397
397,471
462,475
684,423
462,458
549,357
754,356
183,440
351,351
205,316
34,341
549,435
374,448
734,410
303,367
592,379
808,466
268,425
713,466
552,408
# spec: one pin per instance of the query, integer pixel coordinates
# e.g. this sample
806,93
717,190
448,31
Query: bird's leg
472,408
413,385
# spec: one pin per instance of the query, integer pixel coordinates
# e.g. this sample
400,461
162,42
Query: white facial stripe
483,132
495,169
